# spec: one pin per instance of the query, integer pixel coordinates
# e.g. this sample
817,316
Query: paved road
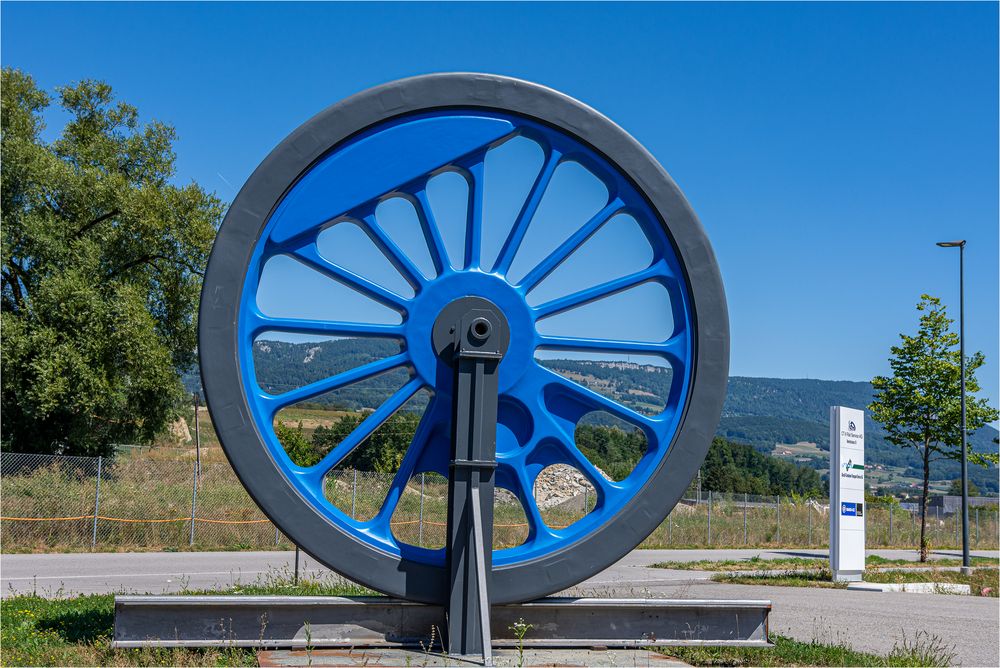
864,620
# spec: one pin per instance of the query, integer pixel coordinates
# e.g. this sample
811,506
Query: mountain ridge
761,412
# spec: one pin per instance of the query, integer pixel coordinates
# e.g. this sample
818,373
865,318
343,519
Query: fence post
276,536
709,517
670,528
97,505
194,497
586,498
746,501
809,518
197,433
890,526
977,527
420,517
777,514
354,492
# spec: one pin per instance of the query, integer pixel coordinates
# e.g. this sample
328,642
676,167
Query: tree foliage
382,451
736,468
614,450
920,404
295,443
101,265
955,489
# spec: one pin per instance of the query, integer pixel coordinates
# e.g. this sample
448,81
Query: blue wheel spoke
538,530
276,402
402,477
568,247
652,273
527,213
432,233
599,402
580,461
474,217
672,349
538,409
309,255
393,252
343,449
258,322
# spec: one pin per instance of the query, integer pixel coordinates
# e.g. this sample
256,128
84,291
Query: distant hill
760,412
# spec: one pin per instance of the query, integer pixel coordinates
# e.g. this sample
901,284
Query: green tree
919,405
101,264
295,443
382,451
956,488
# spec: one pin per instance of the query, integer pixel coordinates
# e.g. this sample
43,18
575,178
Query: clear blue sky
825,147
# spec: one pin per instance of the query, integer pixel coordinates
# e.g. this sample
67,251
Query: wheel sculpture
390,140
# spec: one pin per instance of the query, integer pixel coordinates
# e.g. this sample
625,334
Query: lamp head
952,244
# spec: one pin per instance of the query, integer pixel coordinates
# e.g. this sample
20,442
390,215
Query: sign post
847,494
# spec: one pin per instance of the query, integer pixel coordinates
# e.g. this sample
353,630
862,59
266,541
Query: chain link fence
133,502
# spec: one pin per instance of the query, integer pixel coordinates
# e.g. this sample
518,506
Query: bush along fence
52,503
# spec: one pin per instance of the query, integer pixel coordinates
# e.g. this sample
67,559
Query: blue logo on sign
852,509
851,425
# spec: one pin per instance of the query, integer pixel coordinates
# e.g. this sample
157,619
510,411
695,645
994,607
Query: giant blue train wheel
390,141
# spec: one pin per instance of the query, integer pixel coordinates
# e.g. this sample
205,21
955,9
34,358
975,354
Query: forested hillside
759,412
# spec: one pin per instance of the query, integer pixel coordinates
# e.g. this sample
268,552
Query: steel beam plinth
326,621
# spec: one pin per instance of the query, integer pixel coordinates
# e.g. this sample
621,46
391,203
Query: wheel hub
442,298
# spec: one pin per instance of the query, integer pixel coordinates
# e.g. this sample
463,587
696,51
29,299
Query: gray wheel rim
243,443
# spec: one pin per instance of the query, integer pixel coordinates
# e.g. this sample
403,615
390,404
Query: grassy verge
922,650
806,563
812,578
36,631
982,582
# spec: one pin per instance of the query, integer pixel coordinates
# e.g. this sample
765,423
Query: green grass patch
751,564
814,578
982,582
921,650
758,563
77,631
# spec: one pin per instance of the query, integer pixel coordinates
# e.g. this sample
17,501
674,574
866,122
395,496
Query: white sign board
847,493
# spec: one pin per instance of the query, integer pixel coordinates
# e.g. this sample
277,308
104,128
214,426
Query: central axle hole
481,328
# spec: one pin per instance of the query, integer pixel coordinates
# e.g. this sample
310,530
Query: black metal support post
479,336
966,561
960,244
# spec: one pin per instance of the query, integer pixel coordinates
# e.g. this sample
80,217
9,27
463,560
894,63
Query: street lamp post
960,245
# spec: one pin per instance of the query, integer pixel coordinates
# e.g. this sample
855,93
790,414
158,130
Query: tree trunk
923,500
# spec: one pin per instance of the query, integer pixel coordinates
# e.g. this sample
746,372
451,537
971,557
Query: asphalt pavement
866,621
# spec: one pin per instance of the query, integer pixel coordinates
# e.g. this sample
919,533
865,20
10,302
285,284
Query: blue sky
825,147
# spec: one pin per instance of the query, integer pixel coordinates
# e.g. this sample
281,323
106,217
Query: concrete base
384,656
913,587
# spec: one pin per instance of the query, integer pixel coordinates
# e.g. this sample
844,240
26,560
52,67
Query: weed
520,629
309,645
923,650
